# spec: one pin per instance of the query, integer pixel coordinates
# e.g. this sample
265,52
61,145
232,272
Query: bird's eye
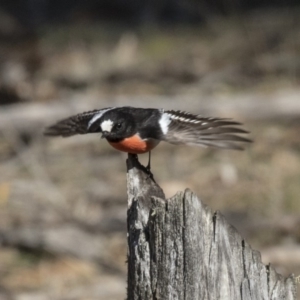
118,125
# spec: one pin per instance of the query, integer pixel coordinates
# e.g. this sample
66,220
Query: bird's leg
134,155
148,167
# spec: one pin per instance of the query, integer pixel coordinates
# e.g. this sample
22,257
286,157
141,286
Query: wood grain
178,248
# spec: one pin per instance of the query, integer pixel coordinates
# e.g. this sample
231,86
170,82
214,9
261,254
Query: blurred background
63,201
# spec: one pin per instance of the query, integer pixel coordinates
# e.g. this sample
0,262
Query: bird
140,130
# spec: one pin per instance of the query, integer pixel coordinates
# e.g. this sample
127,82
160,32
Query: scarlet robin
139,130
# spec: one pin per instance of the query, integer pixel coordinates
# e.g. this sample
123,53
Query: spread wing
185,128
79,124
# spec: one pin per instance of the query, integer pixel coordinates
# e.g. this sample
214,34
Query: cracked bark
179,249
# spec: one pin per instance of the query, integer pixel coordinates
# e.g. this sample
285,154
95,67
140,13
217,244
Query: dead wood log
179,249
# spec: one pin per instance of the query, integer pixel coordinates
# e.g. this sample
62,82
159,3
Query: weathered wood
179,249
141,188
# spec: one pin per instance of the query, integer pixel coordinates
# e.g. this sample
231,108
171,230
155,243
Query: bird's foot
149,173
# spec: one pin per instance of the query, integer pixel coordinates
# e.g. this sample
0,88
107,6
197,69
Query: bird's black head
115,125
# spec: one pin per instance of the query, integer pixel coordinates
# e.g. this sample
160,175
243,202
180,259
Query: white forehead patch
98,115
107,125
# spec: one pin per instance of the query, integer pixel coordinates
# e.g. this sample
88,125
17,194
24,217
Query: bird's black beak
105,134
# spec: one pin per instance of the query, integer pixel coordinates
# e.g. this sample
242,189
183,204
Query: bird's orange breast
135,145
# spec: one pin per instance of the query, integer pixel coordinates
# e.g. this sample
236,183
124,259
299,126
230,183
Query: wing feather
78,124
186,128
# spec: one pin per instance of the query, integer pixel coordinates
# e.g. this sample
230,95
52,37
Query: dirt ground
63,201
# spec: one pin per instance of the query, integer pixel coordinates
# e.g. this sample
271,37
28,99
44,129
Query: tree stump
179,249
